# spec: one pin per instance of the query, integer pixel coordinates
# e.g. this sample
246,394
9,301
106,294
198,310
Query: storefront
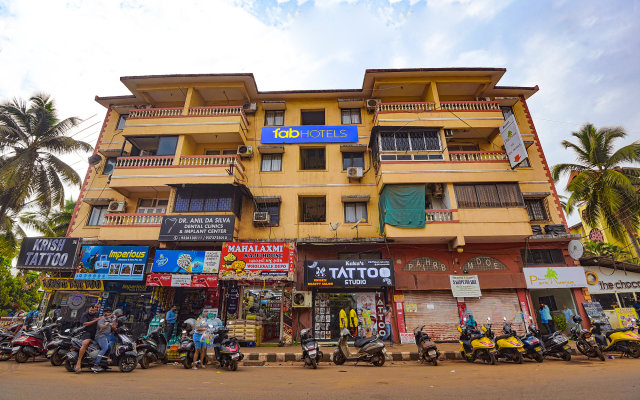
72,297
616,290
135,299
348,294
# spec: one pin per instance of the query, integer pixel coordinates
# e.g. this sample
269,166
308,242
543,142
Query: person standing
388,318
545,318
103,332
567,312
89,320
170,319
198,342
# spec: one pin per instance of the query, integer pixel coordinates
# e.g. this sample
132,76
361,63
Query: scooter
152,348
369,349
187,350
476,344
585,341
427,350
622,340
6,337
61,345
311,353
32,344
227,350
508,345
554,345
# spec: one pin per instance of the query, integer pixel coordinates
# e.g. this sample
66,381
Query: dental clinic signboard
554,277
513,144
114,263
197,228
348,273
309,134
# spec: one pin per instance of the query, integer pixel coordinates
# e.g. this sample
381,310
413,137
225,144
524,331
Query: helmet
118,312
191,323
577,319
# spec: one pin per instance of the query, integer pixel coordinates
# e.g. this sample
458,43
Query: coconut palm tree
54,224
598,178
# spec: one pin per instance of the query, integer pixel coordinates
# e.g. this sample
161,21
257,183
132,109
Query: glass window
313,209
536,209
488,195
351,116
152,206
109,164
466,196
542,256
410,141
273,209
212,152
274,118
354,212
352,160
97,215
312,159
608,301
121,121
271,162
167,145
312,117
190,199
549,301
626,299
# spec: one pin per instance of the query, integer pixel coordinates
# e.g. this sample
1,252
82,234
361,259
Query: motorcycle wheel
566,356
188,362
314,363
434,361
69,367
634,349
538,357
127,363
378,360
144,361
165,359
21,357
233,365
599,354
56,359
517,358
584,348
489,358
4,356
338,358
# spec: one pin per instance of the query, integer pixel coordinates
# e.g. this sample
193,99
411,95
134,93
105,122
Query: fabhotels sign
554,277
309,134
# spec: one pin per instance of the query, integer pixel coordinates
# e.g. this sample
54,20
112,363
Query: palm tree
609,190
54,224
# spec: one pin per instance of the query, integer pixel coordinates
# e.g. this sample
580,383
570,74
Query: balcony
140,174
451,114
228,121
147,227
441,215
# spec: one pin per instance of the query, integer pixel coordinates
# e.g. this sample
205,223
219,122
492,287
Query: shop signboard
115,263
407,337
197,228
596,314
71,284
125,287
309,134
513,144
608,280
182,280
186,261
554,277
348,273
626,316
465,286
258,261
233,300
47,253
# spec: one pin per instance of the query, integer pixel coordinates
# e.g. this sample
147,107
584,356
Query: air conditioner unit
354,172
302,299
372,103
117,206
245,151
448,133
260,217
250,107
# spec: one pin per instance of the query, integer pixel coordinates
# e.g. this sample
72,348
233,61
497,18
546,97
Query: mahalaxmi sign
47,253
465,286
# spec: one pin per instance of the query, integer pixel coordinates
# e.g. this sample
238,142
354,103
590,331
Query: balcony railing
155,112
213,111
439,215
213,161
132,219
470,105
144,162
475,156
405,107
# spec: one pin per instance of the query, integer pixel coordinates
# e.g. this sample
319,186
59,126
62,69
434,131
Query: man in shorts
90,321
199,343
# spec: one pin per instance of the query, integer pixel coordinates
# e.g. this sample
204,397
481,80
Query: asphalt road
580,378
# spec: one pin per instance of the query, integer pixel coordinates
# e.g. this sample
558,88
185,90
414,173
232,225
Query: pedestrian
568,313
198,342
170,319
388,333
103,332
89,320
545,318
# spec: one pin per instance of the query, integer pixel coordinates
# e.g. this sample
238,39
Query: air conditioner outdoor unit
302,299
245,151
354,172
260,217
448,132
250,107
117,206
372,103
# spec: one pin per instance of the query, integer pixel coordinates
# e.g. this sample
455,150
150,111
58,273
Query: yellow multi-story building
409,170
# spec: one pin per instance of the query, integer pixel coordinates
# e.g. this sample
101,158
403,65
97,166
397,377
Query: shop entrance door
358,312
264,305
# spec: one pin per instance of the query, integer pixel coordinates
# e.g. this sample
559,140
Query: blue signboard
310,134
186,261
115,263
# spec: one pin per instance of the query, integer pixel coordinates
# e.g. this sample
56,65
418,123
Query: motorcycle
311,353
6,336
227,350
32,344
369,349
60,346
534,348
585,341
622,340
554,345
152,348
508,345
476,344
427,350
187,350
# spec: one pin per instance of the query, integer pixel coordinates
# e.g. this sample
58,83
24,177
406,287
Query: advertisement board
554,277
71,284
186,261
626,316
596,314
114,263
197,228
260,261
465,285
47,253
608,280
309,134
513,144
182,280
348,273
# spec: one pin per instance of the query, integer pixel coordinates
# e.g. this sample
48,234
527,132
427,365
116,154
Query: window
274,118
312,117
410,141
542,256
354,212
549,301
536,209
108,166
167,145
216,152
608,301
97,215
121,121
273,209
351,116
313,209
463,147
152,206
313,158
352,160
271,162
197,199
488,195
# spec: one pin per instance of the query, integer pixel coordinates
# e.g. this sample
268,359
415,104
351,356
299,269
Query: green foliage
559,322
602,249
17,292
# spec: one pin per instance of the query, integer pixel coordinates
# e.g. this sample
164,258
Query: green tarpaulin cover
402,206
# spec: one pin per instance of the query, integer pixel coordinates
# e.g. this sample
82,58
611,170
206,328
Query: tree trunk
634,240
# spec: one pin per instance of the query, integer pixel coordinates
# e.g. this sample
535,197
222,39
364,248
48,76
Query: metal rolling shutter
440,322
496,304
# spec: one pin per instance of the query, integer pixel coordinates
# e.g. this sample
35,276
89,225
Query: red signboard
182,280
251,261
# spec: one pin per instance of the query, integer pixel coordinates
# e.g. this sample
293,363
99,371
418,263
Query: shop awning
402,206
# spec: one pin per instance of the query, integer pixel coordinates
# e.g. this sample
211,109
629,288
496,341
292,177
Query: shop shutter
438,311
496,304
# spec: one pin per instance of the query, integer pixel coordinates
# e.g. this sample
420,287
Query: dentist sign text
309,134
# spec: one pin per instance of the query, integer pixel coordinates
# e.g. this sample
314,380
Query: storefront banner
513,144
71,284
349,273
125,287
596,314
258,261
608,280
554,277
182,280
309,134
186,261
197,228
626,316
47,253
465,286
115,263
233,300
208,281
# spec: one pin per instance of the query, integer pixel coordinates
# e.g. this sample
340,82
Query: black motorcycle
6,336
311,353
585,342
427,350
58,348
152,348
187,350
227,350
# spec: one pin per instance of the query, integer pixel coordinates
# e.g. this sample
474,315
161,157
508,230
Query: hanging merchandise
353,321
343,319
287,320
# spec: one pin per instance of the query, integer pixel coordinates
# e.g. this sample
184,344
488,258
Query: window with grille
312,117
271,162
273,209
354,212
542,256
536,209
352,160
410,141
351,116
488,195
313,158
193,199
313,209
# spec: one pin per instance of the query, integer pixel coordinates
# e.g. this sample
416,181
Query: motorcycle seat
505,336
360,342
609,333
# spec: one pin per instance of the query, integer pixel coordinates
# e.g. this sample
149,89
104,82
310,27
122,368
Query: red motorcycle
32,344
6,336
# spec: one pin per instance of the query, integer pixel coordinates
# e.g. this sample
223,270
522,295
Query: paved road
613,379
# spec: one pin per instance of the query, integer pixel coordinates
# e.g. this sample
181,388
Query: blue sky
584,55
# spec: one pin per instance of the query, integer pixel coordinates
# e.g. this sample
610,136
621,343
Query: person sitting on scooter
198,342
102,337
471,323
89,320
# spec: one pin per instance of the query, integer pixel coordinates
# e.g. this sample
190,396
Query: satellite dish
95,159
576,249
335,226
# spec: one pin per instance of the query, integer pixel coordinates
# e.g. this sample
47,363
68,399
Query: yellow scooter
475,344
509,346
622,340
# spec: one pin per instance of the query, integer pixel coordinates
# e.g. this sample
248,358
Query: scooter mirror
488,319
162,320
464,319
530,318
184,332
505,319
59,319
